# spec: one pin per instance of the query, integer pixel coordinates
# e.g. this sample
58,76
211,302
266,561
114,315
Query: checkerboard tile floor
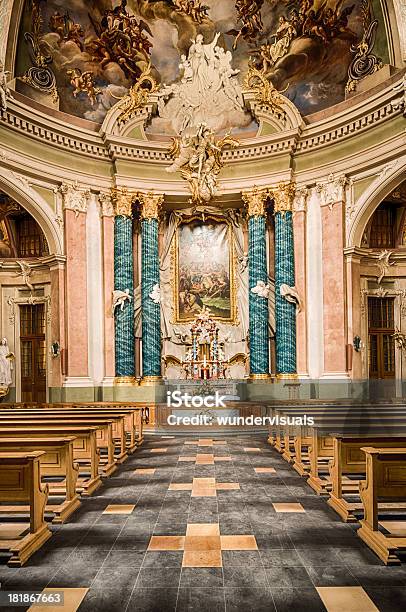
144,542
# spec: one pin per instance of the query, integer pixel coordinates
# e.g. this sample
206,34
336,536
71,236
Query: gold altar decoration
264,90
283,195
205,360
123,200
255,200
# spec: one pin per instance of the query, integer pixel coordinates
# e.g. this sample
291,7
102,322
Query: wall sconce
55,349
357,344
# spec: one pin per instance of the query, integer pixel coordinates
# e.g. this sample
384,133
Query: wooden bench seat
57,461
85,451
20,481
385,480
104,433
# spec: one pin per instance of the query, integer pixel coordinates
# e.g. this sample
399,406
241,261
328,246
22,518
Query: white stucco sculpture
291,295
401,101
119,299
261,289
26,271
208,91
5,91
155,294
6,367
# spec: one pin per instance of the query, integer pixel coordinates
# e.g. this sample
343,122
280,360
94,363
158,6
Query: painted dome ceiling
95,50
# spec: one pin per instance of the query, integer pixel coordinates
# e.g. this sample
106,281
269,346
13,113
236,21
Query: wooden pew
104,433
349,458
85,451
57,461
119,449
20,481
386,480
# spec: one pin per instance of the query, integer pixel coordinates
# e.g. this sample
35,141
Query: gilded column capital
255,201
150,205
123,200
283,196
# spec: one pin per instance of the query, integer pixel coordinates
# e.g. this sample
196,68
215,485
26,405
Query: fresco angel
83,82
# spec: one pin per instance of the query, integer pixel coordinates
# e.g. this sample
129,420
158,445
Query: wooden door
33,353
381,343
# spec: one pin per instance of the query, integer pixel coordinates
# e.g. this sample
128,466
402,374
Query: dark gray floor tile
197,577
272,557
74,577
242,558
153,600
246,598
388,599
200,599
302,600
288,577
244,576
163,558
331,576
158,577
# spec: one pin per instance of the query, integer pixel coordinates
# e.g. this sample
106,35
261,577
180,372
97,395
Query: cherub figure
5,91
83,82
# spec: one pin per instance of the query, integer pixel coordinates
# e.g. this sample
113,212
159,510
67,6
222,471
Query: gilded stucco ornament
255,200
265,93
75,197
150,205
123,200
138,96
283,195
197,156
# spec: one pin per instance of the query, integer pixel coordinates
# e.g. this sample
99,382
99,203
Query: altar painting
204,271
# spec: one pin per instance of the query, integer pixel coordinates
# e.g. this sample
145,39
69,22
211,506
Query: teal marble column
285,312
151,310
124,281
258,271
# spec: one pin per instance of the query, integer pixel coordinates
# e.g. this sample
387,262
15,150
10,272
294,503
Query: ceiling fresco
95,50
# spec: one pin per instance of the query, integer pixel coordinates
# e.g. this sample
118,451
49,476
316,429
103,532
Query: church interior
203,305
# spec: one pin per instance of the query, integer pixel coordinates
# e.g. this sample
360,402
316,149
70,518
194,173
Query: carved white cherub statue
119,299
155,294
261,289
5,91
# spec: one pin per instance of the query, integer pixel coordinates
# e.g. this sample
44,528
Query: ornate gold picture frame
203,258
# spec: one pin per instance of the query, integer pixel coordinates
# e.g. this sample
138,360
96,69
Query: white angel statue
6,363
155,294
291,295
261,289
119,299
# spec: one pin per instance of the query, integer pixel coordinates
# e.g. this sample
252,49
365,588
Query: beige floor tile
220,442
204,492
72,598
227,486
203,529
204,459
119,509
265,470
350,599
145,471
238,542
202,542
205,442
191,442
397,528
202,558
158,450
205,483
187,458
222,458
288,507
180,486
249,449
166,543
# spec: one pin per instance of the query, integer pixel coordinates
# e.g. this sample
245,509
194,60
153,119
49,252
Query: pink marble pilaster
334,289
353,269
76,292
57,275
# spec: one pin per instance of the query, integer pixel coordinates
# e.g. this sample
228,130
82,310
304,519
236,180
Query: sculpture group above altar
208,91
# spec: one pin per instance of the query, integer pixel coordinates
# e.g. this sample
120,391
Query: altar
205,360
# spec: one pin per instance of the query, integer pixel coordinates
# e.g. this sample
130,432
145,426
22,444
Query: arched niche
387,180
36,206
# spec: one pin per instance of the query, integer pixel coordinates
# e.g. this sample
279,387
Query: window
31,239
381,343
383,227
